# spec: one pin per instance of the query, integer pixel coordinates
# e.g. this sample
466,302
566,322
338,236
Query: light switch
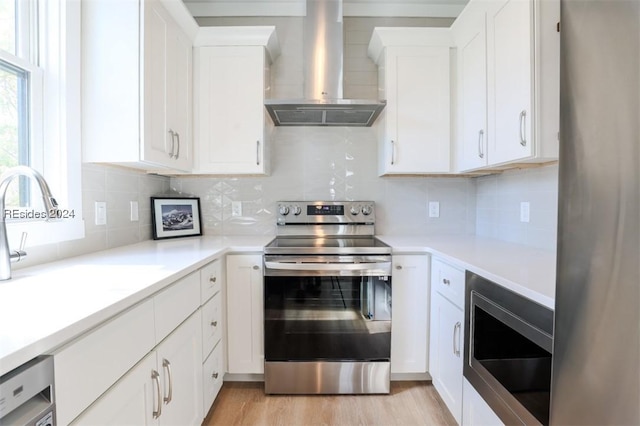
101,212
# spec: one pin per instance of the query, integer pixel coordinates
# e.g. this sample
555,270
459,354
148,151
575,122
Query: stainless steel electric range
327,301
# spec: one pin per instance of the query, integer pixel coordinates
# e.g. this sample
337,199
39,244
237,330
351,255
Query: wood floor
410,403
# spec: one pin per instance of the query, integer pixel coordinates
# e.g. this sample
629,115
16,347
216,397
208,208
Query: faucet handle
23,241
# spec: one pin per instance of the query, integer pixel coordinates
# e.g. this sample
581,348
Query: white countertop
46,306
528,271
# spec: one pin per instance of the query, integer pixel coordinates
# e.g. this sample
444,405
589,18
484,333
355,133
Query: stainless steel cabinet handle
178,144
214,323
446,281
257,153
213,279
156,377
393,152
456,341
167,365
214,375
256,267
523,116
173,142
480,143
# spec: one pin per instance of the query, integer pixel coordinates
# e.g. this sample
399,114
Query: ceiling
373,8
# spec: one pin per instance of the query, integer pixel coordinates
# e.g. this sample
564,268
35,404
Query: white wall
498,206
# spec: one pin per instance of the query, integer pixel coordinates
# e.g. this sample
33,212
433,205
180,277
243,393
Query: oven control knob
284,210
297,210
367,210
355,210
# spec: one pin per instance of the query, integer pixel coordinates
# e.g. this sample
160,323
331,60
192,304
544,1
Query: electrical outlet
434,209
236,208
524,211
134,211
101,213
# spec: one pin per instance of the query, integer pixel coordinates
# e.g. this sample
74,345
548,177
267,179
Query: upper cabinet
522,82
232,78
470,36
137,84
413,78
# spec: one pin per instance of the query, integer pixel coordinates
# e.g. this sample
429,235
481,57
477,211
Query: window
40,114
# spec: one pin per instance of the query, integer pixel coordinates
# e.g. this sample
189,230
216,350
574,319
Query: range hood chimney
323,103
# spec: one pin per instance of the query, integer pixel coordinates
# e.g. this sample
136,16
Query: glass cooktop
321,245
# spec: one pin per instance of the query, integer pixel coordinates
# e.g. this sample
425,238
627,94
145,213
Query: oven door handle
290,266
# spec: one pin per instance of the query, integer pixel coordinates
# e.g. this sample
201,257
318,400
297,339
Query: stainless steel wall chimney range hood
323,104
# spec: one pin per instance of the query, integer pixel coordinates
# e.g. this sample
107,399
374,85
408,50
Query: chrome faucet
50,204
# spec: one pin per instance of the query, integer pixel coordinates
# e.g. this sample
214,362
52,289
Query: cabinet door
472,65
179,104
476,412
410,313
179,362
131,401
230,109
417,126
245,332
155,139
446,352
510,40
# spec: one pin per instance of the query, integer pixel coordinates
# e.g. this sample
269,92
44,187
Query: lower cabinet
475,411
245,328
410,313
164,387
446,351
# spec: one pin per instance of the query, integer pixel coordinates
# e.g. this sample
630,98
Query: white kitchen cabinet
414,79
410,325
523,68
245,327
212,277
231,124
131,401
475,411
469,33
164,388
446,350
136,86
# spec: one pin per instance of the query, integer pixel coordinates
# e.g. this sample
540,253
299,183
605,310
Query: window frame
55,124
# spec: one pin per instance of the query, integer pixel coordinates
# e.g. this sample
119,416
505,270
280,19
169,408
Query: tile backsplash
312,163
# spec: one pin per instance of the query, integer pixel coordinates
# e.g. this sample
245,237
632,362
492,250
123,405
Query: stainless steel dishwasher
27,394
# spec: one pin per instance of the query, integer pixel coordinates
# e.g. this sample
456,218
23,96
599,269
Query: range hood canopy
323,103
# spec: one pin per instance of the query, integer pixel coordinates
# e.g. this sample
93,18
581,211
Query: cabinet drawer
448,281
210,280
213,373
174,304
90,365
211,324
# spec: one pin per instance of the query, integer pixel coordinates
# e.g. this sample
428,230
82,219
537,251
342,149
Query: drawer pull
167,365
215,375
155,376
213,279
256,267
214,323
398,267
446,281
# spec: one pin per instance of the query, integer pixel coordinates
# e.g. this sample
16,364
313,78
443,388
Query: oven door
508,351
329,315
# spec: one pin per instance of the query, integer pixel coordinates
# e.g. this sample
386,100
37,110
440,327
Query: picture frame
175,217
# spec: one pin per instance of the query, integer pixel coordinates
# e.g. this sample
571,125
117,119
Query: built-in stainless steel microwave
508,351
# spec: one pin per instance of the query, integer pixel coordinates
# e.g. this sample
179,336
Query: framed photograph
175,217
